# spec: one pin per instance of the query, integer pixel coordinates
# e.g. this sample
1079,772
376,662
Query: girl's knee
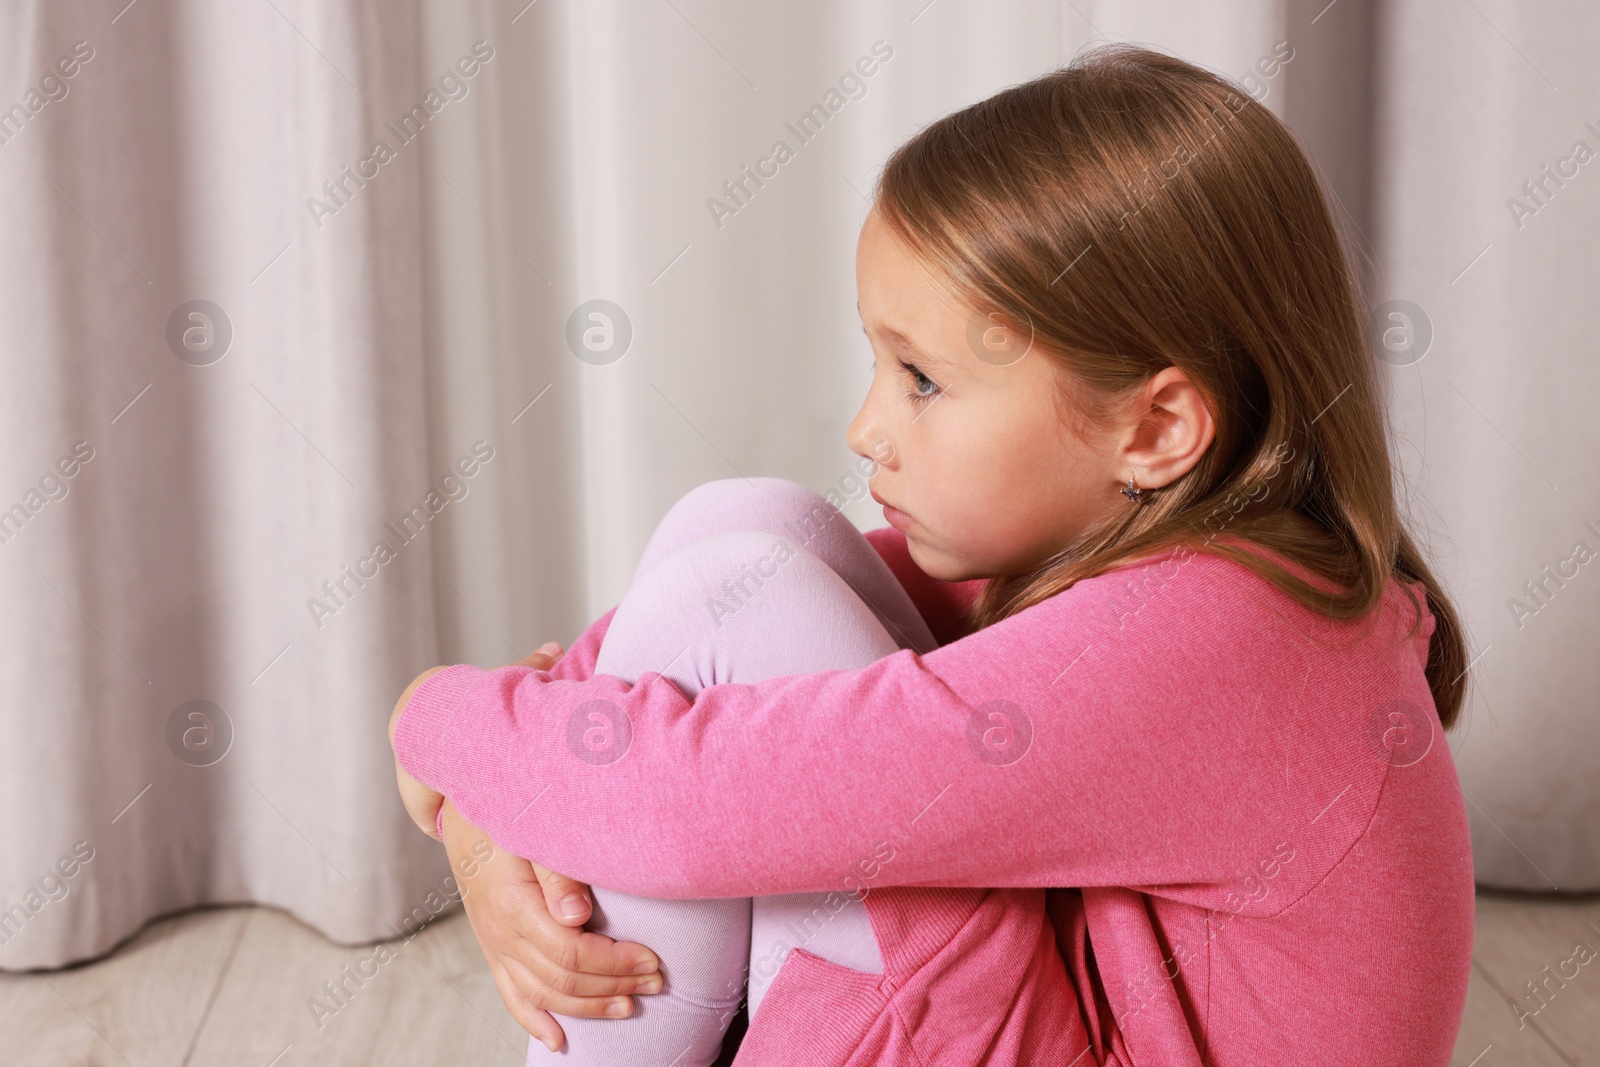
760,495
736,591
771,504
725,571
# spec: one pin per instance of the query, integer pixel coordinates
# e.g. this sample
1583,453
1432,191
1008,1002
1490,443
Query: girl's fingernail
572,905
645,967
550,1043
650,985
617,1009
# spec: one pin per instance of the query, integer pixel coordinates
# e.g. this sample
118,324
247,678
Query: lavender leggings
717,599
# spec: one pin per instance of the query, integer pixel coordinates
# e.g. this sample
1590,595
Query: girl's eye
919,381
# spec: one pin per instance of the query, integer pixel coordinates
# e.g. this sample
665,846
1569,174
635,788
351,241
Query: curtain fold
1479,107
247,377
330,417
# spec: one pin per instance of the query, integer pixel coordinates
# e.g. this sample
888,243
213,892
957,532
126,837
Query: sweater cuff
423,734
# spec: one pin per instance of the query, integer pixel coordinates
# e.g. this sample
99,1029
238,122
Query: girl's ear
1169,429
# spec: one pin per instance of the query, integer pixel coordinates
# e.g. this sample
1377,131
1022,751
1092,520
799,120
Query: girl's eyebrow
888,333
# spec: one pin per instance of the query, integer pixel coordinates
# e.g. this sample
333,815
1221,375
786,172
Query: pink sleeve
1081,742
576,663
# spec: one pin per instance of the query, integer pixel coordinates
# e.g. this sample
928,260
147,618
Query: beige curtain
239,386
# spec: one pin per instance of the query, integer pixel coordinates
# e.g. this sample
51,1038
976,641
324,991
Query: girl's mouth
894,516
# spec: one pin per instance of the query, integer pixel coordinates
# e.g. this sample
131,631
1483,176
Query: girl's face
973,459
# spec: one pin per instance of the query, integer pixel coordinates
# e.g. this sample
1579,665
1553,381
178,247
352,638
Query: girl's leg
804,518
735,606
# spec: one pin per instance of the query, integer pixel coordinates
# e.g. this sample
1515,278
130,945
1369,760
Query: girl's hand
421,801
541,964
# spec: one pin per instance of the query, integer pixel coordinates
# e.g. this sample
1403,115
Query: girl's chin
936,564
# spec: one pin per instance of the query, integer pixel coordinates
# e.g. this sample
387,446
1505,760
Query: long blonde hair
1134,212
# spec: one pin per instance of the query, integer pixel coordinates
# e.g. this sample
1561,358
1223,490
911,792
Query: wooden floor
231,987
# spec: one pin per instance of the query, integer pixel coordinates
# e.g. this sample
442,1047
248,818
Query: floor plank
239,987
292,997
141,1004
1539,959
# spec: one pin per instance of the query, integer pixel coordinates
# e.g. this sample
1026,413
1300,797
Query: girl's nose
866,436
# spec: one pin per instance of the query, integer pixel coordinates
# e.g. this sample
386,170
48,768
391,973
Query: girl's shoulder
1184,592
1403,610
1178,594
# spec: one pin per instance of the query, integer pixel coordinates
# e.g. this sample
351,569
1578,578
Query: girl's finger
569,902
542,658
566,899
532,1018
536,994
578,964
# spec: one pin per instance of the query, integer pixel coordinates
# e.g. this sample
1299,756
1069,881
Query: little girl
1147,673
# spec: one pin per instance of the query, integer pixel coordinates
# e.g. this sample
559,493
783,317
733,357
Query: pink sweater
1252,809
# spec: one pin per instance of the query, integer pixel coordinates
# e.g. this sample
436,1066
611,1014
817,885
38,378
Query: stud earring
1131,491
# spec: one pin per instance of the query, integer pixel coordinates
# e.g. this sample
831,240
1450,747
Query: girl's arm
943,602
1080,743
